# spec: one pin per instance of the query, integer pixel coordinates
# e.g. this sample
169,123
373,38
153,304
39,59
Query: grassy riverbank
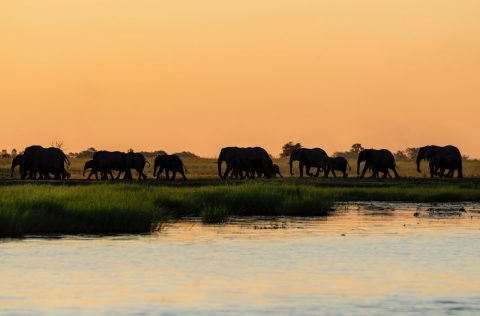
132,208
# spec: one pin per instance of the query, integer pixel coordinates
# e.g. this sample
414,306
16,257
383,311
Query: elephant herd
38,162
105,162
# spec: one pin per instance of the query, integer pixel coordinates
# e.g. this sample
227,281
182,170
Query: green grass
106,208
134,208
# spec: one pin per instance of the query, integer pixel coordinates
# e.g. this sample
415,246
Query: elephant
97,166
108,161
37,159
17,161
308,158
135,161
169,163
339,164
380,160
447,157
437,166
276,170
261,168
245,159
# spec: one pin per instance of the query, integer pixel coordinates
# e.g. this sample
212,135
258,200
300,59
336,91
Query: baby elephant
169,163
96,167
276,170
339,164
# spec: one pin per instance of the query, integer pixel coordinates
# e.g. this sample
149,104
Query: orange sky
199,75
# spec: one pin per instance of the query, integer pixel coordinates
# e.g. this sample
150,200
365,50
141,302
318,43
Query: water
361,261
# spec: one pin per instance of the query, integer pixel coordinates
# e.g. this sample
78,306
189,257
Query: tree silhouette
288,148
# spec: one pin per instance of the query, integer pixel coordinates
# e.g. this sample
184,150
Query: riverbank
111,208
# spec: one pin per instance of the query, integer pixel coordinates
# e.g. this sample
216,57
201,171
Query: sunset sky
199,75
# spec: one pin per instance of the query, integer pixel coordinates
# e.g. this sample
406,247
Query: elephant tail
185,168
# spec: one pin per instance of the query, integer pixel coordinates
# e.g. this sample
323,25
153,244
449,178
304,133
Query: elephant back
114,159
315,156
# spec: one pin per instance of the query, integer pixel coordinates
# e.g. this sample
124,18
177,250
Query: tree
288,148
57,144
87,153
412,152
14,152
400,155
356,148
186,154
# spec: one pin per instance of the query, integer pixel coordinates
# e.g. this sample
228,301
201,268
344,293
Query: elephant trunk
358,165
13,167
419,158
85,169
291,169
219,166
155,167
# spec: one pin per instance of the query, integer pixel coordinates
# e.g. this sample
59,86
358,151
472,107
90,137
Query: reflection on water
366,259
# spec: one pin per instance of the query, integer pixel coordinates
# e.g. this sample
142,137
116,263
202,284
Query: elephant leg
365,168
300,166
318,172
227,171
333,172
345,174
307,171
183,175
174,174
395,172
432,171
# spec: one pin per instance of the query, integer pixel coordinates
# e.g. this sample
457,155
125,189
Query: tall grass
133,207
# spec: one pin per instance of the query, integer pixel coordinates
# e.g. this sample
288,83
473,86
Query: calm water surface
363,260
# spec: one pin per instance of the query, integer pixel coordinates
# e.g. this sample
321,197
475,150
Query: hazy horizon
198,76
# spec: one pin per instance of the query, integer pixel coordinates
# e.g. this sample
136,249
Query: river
368,259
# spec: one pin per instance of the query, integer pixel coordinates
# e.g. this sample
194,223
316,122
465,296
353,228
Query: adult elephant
169,163
245,159
227,155
44,161
109,161
447,157
379,160
309,158
135,161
